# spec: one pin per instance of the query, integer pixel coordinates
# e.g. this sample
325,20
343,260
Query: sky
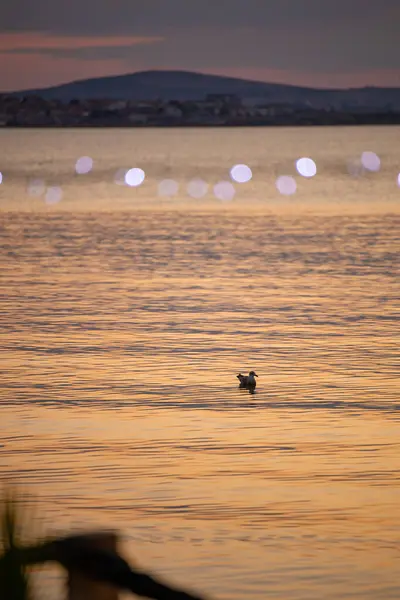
318,43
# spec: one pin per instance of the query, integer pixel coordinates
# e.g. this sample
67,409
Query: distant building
207,107
276,109
252,102
230,99
145,108
172,109
118,105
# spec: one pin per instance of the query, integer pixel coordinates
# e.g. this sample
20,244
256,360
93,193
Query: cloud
310,50
152,16
321,79
38,41
302,50
330,40
40,70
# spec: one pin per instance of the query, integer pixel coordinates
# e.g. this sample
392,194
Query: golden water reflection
122,337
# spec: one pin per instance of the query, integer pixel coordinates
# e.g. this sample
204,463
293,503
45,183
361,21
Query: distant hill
185,85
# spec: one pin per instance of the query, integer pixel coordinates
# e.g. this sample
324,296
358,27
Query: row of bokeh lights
223,190
197,188
239,173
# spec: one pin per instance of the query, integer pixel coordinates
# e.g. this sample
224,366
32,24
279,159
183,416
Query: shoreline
345,122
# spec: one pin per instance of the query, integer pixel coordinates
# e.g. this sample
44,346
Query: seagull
247,381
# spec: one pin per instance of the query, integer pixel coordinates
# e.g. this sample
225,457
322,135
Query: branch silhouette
78,553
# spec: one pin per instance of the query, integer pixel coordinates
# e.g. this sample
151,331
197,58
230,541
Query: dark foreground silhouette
79,554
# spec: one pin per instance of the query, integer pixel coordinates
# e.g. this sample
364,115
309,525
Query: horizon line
201,73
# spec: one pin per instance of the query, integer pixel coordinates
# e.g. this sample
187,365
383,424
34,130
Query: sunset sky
341,43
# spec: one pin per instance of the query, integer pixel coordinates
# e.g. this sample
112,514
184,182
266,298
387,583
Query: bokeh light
355,168
1,177
370,161
306,167
119,177
197,188
241,173
286,185
83,165
36,187
134,177
168,187
224,190
53,195
398,179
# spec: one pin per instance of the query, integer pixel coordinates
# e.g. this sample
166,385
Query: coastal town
213,110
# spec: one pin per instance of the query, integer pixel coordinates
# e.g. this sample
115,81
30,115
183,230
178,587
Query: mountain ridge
182,85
